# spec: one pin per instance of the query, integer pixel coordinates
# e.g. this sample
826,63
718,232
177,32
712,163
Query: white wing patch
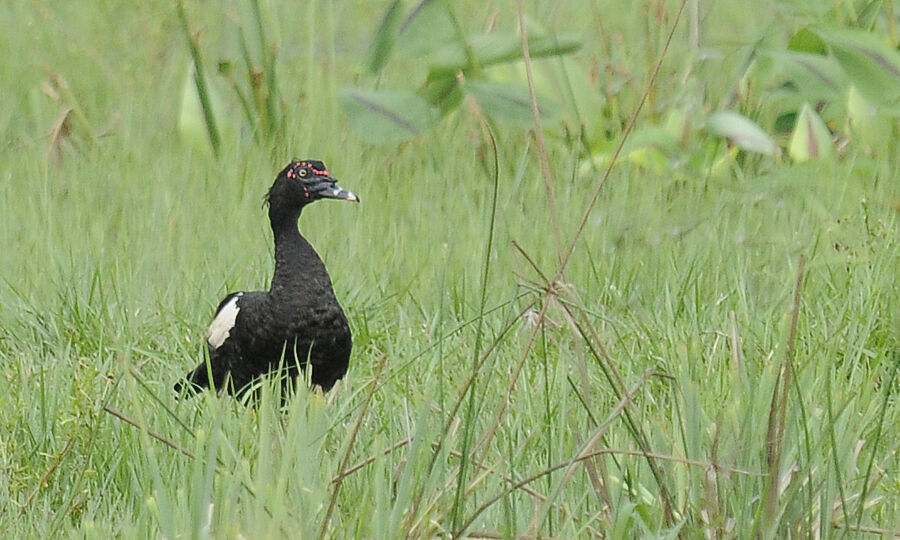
221,326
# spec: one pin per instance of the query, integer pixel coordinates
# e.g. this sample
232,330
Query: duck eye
303,173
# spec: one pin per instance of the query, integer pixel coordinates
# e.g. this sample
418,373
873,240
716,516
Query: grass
630,398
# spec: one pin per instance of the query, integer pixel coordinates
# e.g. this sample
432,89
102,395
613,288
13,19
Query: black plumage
298,321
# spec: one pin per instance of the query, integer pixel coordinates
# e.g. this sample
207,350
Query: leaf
385,36
573,86
442,91
815,76
742,132
427,27
652,148
567,83
869,123
872,65
808,42
508,102
497,48
859,110
656,137
869,15
678,125
785,123
196,113
386,117
811,139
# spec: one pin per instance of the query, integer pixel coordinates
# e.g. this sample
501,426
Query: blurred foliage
460,65
833,84
252,79
829,86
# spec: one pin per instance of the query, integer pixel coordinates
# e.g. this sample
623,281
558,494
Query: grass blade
200,81
469,420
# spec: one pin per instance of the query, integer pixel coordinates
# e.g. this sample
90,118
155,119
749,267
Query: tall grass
489,395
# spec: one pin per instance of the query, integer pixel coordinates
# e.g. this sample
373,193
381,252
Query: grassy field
717,358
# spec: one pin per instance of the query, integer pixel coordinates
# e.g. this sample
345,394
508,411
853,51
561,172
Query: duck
297,324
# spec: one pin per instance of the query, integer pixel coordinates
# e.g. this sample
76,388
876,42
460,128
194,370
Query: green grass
666,335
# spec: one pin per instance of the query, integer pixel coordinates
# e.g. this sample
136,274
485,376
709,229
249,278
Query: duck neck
296,263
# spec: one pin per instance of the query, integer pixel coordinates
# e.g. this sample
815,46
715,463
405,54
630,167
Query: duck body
298,323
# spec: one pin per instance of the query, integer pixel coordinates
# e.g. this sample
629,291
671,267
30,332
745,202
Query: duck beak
341,193
335,191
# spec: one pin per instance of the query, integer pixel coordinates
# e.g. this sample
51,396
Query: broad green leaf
192,120
574,86
811,139
868,122
652,148
859,109
872,65
567,82
191,127
869,14
442,91
785,122
497,48
742,132
814,76
650,159
656,137
509,102
427,27
384,37
678,125
384,116
807,41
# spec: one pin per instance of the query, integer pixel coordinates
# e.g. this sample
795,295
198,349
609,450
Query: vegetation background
691,335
